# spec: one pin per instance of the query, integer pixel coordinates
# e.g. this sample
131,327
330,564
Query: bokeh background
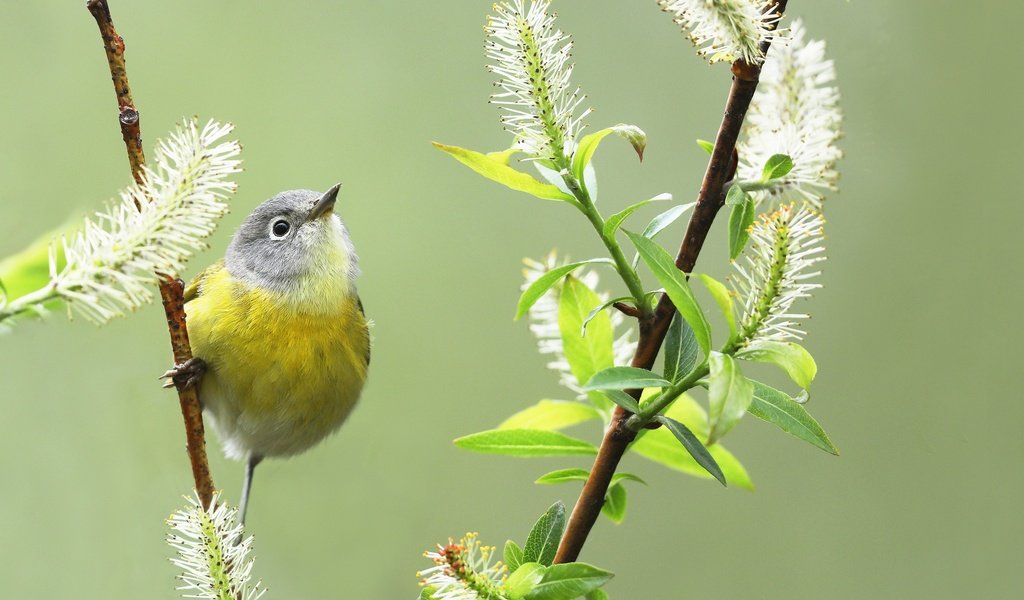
915,330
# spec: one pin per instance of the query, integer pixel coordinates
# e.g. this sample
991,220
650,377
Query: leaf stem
171,291
618,436
24,303
622,265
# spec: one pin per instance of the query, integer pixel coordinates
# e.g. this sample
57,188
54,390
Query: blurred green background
913,330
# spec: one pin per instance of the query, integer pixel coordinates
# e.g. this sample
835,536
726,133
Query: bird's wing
194,287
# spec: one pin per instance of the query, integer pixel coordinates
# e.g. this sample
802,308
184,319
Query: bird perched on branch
279,334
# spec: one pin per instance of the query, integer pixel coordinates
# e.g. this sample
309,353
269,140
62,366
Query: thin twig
710,199
170,290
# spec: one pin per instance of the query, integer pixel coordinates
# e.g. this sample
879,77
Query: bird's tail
250,467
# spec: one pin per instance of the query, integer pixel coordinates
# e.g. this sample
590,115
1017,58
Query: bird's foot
187,374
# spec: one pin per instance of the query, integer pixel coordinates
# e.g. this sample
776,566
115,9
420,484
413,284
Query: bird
280,339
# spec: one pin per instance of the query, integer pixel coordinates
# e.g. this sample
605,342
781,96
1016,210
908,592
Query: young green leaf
568,581
693,446
778,165
680,349
525,442
614,506
563,476
723,298
619,477
674,282
777,407
542,543
566,475
551,415
741,217
597,594
624,378
497,170
612,224
503,156
513,555
729,395
622,399
587,354
665,219
708,147
597,310
523,579
793,358
588,145
542,284
29,269
735,196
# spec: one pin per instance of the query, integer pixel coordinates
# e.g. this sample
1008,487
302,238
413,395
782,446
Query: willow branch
171,290
721,167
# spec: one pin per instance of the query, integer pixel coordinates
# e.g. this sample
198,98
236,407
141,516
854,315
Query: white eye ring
280,229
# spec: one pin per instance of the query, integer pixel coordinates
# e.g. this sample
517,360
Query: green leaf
623,378
793,358
778,165
693,446
593,352
566,475
597,310
503,156
619,477
523,579
735,196
729,395
568,581
551,415
741,217
665,219
513,555
661,446
525,442
428,592
777,407
497,169
612,224
614,506
708,147
676,286
596,595
542,284
542,543
588,145
563,476
29,269
723,299
622,399
680,349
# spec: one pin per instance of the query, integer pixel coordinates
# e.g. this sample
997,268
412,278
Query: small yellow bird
281,341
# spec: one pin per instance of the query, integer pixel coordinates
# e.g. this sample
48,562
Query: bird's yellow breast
283,373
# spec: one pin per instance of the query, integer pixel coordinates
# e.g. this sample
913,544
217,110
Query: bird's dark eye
280,228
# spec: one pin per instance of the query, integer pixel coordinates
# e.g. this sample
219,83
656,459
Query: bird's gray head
294,243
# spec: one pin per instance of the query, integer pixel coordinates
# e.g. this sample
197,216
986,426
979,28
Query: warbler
280,337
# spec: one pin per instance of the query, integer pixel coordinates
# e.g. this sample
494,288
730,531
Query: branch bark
171,290
618,437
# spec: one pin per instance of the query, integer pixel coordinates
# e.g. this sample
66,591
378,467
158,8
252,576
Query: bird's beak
325,204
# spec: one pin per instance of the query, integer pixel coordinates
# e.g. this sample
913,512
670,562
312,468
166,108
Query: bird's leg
185,375
250,467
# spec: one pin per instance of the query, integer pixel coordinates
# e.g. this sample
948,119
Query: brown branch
721,167
170,290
